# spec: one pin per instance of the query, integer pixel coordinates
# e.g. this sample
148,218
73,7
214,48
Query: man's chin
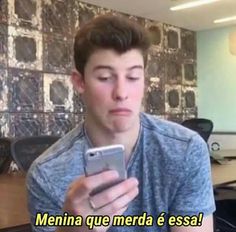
122,126
120,129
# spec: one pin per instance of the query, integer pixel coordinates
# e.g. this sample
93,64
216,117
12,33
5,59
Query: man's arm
207,226
195,195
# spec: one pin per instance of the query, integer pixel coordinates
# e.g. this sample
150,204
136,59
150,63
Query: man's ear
77,81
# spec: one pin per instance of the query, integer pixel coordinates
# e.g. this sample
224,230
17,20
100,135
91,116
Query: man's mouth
121,111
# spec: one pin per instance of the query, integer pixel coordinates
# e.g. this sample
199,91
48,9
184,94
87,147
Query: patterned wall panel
172,39
4,125
3,90
155,94
157,36
25,13
173,95
57,54
136,19
58,93
189,73
26,124
36,59
178,118
24,48
86,12
3,11
189,100
155,97
79,106
59,123
188,44
78,118
25,91
173,70
57,17
3,45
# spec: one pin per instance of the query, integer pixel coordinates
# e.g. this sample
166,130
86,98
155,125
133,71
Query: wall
36,96
216,78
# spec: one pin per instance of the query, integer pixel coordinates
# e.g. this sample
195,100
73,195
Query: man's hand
110,202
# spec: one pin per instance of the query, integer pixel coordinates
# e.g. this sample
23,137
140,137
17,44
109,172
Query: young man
168,165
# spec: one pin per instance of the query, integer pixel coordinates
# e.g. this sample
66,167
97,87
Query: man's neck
99,137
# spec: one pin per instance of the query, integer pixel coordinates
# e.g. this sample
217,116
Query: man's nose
120,92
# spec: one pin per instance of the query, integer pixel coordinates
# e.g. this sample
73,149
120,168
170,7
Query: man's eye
133,78
103,78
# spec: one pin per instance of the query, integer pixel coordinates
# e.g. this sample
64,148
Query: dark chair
5,154
26,149
201,125
225,214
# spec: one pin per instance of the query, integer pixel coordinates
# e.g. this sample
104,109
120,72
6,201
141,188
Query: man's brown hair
109,32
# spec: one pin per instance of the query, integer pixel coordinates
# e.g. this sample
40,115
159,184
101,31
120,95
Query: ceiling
196,19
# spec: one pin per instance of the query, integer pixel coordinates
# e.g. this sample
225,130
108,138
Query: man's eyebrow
102,67
110,68
135,66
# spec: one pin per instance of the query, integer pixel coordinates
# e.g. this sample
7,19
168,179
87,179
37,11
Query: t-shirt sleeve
195,193
40,200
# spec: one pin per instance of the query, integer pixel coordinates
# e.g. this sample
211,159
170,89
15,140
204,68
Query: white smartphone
105,158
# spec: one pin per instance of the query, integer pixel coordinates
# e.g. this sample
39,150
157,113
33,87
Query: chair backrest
201,125
26,149
225,214
5,154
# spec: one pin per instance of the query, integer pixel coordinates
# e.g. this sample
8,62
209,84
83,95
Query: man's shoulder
164,128
63,153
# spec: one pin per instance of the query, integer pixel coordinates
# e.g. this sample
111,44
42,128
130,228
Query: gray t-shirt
171,163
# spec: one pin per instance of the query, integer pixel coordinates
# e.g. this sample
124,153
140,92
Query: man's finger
119,203
81,188
112,193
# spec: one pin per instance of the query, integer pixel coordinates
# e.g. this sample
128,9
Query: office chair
225,214
26,149
5,154
225,195
201,125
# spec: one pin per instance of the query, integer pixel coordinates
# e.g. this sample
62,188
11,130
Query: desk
226,172
13,208
223,173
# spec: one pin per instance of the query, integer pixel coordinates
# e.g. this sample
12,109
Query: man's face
113,89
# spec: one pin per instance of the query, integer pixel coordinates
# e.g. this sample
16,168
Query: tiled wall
36,96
